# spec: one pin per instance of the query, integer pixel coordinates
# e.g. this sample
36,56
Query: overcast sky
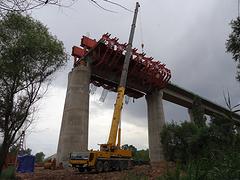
188,36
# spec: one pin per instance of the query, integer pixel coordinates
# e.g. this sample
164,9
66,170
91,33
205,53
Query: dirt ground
137,172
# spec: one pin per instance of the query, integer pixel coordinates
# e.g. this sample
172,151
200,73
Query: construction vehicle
110,156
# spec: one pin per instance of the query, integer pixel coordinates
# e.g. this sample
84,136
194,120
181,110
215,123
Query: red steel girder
107,56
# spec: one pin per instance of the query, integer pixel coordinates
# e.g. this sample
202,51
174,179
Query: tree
233,44
141,155
198,112
15,150
39,157
29,55
24,5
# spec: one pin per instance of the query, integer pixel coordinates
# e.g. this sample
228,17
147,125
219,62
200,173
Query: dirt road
139,172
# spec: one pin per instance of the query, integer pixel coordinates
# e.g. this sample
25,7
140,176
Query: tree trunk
3,154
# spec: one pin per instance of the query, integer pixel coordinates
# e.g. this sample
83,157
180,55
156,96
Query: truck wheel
116,165
121,165
88,169
81,169
130,164
125,165
99,166
106,166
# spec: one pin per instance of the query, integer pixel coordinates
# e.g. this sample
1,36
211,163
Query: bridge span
100,62
185,98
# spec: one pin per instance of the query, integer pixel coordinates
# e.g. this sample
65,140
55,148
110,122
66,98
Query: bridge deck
106,57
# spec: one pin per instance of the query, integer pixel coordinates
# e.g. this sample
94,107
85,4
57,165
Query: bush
205,152
183,142
8,173
226,167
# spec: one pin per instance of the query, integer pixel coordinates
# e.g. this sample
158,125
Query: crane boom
121,88
110,156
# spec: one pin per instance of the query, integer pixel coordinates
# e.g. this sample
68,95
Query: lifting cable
141,30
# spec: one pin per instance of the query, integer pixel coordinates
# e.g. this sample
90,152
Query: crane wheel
106,166
121,165
81,169
116,166
99,166
129,165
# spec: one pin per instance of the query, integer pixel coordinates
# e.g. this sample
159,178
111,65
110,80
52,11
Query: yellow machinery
110,156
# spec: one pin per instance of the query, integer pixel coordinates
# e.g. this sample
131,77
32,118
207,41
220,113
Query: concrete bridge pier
74,128
191,117
156,122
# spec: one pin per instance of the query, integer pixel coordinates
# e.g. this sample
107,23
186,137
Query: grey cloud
195,52
189,36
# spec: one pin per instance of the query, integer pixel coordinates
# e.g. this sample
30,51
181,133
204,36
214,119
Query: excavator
111,155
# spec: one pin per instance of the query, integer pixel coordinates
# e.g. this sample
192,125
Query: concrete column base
160,164
74,128
191,115
156,122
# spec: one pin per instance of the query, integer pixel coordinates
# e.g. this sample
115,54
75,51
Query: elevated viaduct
100,62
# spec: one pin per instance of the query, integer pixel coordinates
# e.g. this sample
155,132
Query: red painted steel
107,56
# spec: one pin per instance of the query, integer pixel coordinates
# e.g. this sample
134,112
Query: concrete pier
74,128
156,122
191,117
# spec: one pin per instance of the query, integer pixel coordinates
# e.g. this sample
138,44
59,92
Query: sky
189,36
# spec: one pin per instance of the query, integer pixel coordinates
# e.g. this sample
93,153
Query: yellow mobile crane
110,156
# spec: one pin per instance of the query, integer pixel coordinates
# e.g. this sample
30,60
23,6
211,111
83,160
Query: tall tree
198,112
39,157
29,55
233,44
25,5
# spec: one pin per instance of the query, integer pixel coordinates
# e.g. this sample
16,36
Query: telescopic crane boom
110,156
121,88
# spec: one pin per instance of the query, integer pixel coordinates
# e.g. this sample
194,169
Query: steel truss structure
106,57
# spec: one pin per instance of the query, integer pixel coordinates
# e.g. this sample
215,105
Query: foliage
141,155
183,142
15,150
233,43
205,152
8,173
27,151
171,175
198,112
39,157
23,5
129,147
225,167
29,55
26,5
138,155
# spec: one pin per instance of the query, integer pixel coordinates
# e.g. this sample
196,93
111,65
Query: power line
101,7
117,4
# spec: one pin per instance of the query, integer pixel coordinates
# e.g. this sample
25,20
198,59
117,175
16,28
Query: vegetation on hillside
203,150
233,44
